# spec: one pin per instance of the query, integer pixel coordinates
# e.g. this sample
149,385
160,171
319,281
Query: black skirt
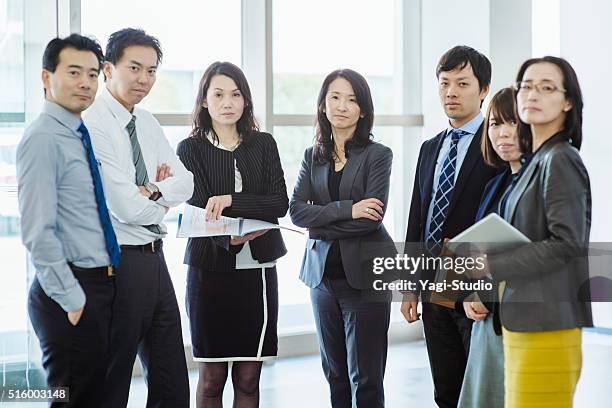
233,315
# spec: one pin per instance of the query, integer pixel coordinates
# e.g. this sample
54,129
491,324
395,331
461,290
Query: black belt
101,270
151,247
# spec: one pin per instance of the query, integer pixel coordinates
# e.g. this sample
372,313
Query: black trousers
352,331
146,322
447,334
75,356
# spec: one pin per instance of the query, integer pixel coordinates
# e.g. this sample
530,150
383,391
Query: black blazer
366,175
473,176
545,280
263,196
493,190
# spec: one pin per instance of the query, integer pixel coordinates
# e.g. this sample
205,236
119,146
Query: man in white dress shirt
142,178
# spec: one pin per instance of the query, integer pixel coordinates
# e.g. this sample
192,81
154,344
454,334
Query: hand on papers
216,205
163,172
409,307
248,237
475,310
75,316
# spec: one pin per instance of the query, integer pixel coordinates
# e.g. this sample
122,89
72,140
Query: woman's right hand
370,208
234,240
475,310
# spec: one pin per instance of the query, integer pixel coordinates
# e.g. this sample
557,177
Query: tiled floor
299,383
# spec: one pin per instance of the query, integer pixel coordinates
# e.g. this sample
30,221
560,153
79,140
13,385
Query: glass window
174,248
20,59
192,33
13,282
12,97
311,39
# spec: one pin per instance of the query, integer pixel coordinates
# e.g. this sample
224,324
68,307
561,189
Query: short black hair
78,42
127,37
458,57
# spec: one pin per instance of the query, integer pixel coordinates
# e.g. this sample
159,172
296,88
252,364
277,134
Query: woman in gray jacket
546,300
340,196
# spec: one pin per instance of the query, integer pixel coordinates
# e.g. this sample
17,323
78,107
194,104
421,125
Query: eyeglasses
543,88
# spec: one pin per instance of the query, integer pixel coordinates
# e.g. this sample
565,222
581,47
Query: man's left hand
144,191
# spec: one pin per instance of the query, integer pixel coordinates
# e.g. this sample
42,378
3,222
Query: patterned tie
142,177
112,246
446,183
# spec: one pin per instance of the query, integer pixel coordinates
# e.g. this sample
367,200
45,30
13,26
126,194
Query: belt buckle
109,271
153,246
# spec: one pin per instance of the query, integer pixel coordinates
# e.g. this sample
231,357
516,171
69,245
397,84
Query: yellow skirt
541,368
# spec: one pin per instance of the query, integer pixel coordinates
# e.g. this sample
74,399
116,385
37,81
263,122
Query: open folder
192,223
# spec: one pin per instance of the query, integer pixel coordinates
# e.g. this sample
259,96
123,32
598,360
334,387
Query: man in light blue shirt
65,225
470,130
450,178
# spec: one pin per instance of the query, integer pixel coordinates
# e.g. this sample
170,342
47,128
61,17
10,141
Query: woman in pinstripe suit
232,291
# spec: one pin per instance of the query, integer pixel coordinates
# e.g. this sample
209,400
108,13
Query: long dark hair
202,122
502,108
573,119
324,144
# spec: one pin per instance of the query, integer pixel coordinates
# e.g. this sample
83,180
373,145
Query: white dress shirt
244,258
130,211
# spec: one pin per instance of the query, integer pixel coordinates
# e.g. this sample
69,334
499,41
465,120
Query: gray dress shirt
59,214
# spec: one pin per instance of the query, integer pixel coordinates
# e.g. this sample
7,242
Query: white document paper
192,223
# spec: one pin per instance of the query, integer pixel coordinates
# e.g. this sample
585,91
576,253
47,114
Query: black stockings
245,379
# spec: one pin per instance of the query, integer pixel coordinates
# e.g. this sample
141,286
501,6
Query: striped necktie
112,246
142,177
444,194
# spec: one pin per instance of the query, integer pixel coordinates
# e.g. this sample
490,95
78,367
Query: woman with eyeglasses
546,301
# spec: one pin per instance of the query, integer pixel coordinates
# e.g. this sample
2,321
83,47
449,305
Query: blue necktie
444,194
112,246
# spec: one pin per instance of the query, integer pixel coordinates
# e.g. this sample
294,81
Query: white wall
509,32
586,35
510,40
446,23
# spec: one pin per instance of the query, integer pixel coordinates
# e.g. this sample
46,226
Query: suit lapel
492,193
320,175
528,174
350,172
468,164
429,168
519,189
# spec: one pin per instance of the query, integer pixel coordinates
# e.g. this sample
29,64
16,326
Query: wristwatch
155,193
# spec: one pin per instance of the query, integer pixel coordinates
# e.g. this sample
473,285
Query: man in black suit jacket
450,178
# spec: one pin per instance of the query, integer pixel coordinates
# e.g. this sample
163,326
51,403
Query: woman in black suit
232,290
483,382
546,300
340,196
